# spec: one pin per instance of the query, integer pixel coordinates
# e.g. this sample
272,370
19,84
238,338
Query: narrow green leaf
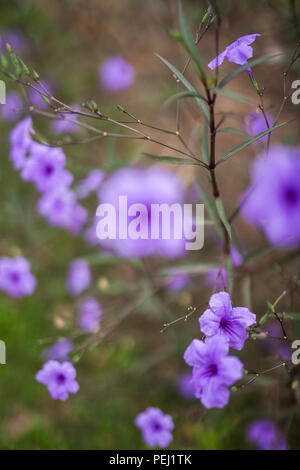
187,84
211,210
231,130
175,160
189,42
287,315
222,215
230,273
270,306
246,291
182,94
245,144
242,68
197,268
258,253
263,319
232,94
204,144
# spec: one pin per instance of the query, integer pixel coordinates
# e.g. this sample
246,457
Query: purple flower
223,320
156,427
15,277
116,74
217,277
264,434
21,141
185,386
272,201
89,314
59,379
79,276
45,167
35,96
276,346
16,38
213,370
91,183
148,186
13,105
177,280
61,209
61,126
59,351
237,52
255,123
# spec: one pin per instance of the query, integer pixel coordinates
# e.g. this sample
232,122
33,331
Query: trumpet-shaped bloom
15,277
156,427
266,436
213,370
272,201
237,52
223,320
59,379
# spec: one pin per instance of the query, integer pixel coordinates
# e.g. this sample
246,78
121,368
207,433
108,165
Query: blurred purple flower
59,379
237,52
185,386
147,186
177,280
213,370
20,141
91,183
276,346
61,126
13,105
217,277
272,201
45,167
223,320
79,276
16,38
255,123
59,351
35,96
61,209
15,277
116,74
264,434
156,427
89,314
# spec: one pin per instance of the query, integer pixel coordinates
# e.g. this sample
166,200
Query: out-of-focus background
135,365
